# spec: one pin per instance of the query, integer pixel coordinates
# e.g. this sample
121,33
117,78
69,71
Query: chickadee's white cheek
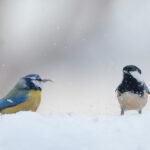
137,76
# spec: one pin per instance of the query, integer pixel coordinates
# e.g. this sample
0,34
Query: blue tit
25,96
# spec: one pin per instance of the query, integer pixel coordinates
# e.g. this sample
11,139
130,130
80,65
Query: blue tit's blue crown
33,76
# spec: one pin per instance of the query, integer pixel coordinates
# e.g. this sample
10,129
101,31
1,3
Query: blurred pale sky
81,44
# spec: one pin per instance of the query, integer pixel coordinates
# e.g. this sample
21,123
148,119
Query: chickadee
132,93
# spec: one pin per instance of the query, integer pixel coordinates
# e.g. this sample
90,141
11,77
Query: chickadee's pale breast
131,101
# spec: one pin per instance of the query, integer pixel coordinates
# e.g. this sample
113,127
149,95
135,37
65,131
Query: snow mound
31,131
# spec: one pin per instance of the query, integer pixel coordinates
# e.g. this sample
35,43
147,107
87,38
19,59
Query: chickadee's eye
139,71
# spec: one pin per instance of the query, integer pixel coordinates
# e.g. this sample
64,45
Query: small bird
25,96
132,93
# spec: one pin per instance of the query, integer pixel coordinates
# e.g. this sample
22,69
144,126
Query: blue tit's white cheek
38,84
33,78
137,76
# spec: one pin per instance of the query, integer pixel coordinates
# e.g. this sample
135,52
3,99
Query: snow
32,131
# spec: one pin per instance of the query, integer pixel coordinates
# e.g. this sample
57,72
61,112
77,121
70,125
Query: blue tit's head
32,82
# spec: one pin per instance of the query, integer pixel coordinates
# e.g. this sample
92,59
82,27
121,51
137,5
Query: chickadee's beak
46,80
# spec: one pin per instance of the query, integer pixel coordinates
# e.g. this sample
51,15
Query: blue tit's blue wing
4,103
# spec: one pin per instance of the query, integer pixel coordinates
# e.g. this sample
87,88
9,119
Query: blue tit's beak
47,80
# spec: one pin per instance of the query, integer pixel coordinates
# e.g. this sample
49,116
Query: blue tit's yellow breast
31,104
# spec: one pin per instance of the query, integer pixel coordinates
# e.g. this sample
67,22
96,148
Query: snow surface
32,131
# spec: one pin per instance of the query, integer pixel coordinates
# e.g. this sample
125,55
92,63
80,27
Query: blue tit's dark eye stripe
39,79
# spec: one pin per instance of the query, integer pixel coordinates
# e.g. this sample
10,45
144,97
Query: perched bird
25,96
132,93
